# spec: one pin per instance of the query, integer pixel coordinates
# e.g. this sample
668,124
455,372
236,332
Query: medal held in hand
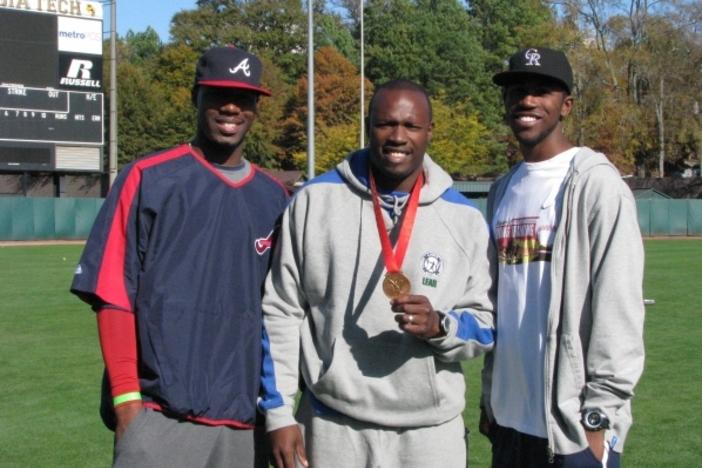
395,283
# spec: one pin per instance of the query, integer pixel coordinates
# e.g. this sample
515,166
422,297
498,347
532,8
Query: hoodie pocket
574,356
570,380
384,376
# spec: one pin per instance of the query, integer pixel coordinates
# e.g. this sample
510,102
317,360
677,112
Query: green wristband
125,397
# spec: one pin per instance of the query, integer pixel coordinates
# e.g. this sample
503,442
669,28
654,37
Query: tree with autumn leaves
636,72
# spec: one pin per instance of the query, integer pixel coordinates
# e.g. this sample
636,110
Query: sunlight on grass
50,365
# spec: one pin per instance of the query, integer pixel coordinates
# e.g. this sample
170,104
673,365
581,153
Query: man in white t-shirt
569,347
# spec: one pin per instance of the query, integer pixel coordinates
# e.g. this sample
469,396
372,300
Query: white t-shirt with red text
524,226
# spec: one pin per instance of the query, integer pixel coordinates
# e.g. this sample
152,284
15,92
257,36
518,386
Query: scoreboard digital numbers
51,96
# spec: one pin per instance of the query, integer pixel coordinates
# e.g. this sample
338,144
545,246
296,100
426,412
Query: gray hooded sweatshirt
594,350
325,314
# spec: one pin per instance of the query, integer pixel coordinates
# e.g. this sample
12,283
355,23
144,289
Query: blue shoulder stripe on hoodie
469,329
270,396
454,196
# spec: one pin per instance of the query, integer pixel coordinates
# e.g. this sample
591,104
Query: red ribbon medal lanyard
395,283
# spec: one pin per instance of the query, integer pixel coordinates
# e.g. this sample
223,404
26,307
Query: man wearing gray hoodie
557,388
380,285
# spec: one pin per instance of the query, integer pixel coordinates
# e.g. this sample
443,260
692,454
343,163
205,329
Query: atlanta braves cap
229,67
537,61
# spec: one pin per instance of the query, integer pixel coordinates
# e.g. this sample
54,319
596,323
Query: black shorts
513,449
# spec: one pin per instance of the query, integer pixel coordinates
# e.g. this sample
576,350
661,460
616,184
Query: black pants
512,449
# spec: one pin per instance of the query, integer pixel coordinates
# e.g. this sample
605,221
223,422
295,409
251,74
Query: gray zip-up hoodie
326,315
594,349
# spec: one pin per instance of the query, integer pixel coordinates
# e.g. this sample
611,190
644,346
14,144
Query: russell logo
79,74
262,245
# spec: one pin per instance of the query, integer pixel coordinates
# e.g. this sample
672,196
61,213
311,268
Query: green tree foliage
278,27
202,28
154,99
174,67
263,143
156,109
142,107
437,44
141,46
173,72
432,42
508,25
636,69
459,142
274,26
332,144
330,31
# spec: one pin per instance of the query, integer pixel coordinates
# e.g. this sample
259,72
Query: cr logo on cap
532,56
243,66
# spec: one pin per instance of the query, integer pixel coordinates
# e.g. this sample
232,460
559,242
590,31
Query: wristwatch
593,419
444,323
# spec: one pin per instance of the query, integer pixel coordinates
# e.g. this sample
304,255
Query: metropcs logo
79,74
83,36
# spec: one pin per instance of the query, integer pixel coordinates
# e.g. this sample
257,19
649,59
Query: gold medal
396,284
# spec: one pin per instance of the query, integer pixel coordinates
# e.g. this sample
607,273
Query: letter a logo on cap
243,66
533,57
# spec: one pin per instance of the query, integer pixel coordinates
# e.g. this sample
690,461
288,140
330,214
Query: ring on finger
411,318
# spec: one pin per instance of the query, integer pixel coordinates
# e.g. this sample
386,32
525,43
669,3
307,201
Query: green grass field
50,365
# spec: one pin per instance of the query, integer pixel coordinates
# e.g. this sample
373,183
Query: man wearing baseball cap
174,267
557,388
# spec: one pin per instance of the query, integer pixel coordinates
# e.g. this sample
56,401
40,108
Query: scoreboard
50,115
51,96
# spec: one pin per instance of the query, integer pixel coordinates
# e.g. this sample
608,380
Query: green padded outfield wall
35,218
670,217
694,223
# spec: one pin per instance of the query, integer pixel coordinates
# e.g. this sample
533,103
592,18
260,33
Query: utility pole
363,83
113,93
310,90
698,126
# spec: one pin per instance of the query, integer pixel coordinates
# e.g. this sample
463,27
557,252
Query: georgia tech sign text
82,9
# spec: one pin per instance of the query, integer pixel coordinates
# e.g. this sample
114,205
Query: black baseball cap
229,67
539,62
